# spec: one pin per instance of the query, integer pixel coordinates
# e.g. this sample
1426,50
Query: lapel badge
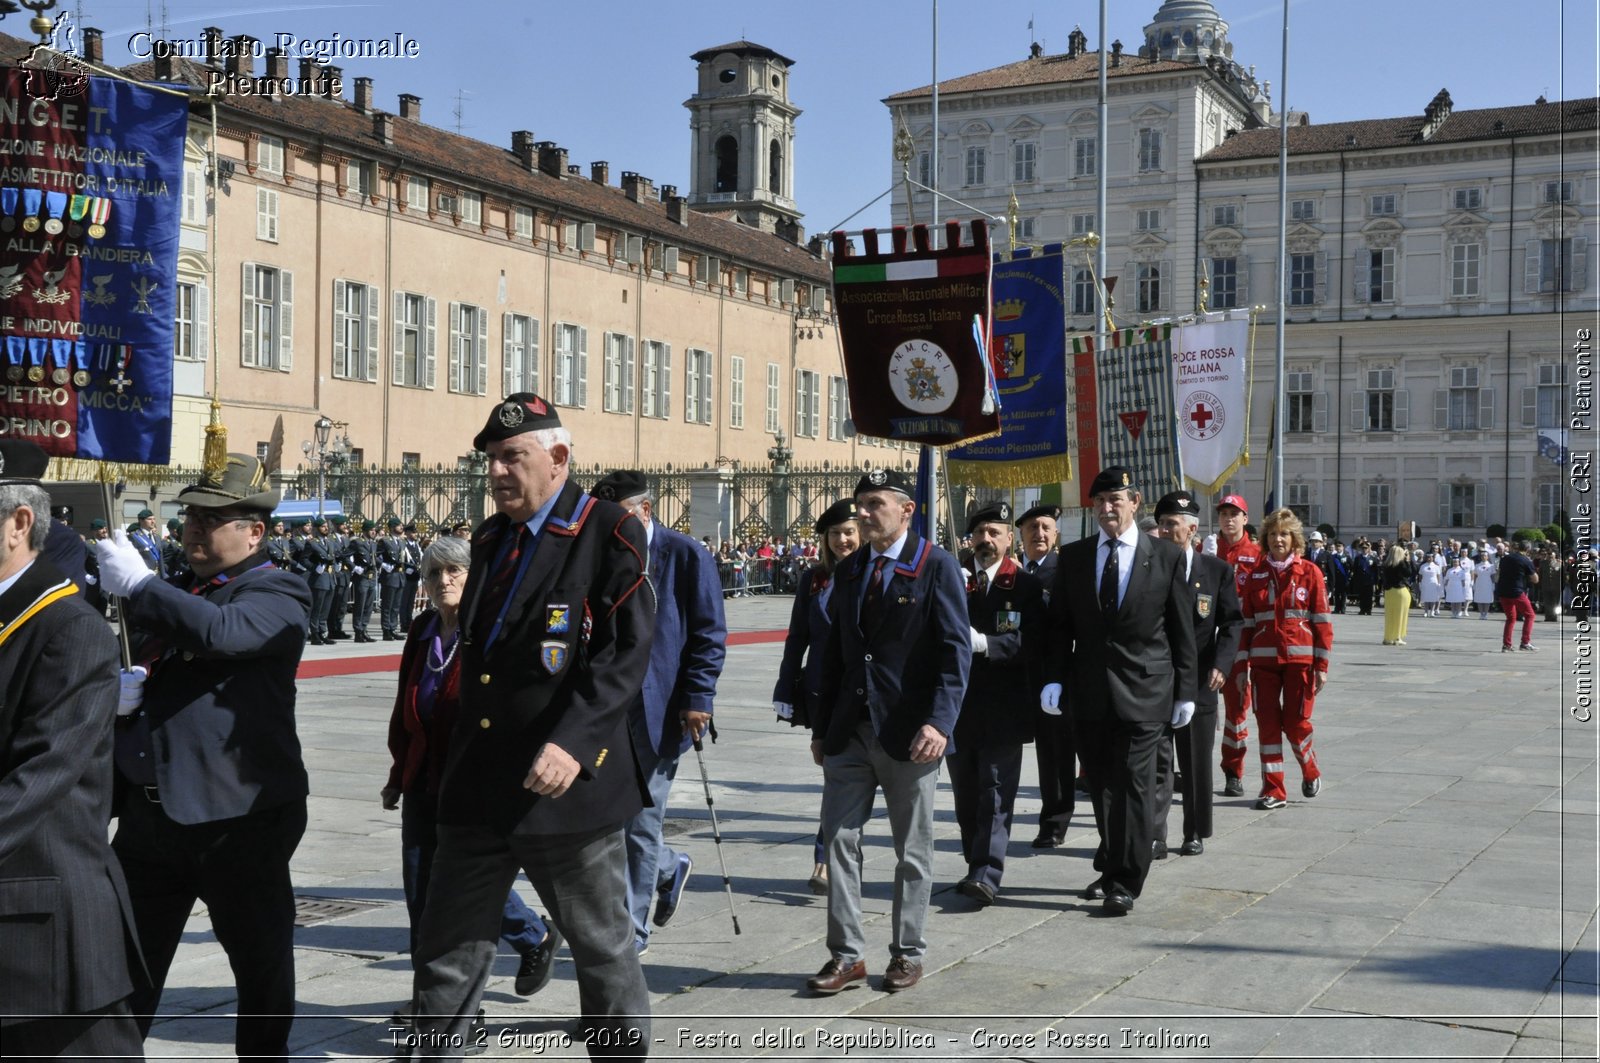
553,655
901,600
556,620
1202,605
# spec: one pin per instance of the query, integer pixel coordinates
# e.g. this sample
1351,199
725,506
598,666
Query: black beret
619,485
1112,478
838,513
1181,503
1053,512
519,413
993,512
885,480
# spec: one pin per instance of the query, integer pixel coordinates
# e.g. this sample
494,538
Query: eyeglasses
207,521
440,575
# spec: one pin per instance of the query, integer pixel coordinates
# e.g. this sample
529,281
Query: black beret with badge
619,485
522,412
1041,510
22,462
993,513
1177,503
242,483
885,480
836,514
1112,478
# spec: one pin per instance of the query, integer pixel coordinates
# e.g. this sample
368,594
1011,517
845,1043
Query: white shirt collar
893,553
10,581
1129,537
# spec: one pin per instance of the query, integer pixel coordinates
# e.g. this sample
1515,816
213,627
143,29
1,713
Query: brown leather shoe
835,975
901,975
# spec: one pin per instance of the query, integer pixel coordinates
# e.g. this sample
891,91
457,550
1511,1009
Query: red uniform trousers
1283,701
1235,727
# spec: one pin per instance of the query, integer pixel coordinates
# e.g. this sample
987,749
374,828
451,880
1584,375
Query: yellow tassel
216,453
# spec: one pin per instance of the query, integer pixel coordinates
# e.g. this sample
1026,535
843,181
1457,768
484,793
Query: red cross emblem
1201,416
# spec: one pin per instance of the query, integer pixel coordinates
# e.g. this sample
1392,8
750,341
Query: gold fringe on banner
1249,390
1001,474
84,470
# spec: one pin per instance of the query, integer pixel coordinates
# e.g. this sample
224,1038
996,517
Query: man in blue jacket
894,674
675,705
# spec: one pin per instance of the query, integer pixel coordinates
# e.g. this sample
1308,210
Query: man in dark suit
65,937
361,558
1005,609
555,641
1217,624
339,603
675,704
1122,640
1053,749
894,672
392,561
212,787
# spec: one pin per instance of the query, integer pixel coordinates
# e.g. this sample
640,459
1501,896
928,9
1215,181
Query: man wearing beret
147,540
1217,625
675,705
212,787
339,541
894,672
66,932
1122,645
556,626
1005,608
1053,750
391,580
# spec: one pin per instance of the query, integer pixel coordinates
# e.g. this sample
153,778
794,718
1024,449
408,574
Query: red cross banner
1125,409
1211,372
914,324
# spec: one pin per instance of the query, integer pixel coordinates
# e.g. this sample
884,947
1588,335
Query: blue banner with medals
1028,357
91,185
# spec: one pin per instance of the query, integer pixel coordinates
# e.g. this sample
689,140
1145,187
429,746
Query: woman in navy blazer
795,696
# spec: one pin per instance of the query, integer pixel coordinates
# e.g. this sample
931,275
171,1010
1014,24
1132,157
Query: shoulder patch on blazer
573,524
913,568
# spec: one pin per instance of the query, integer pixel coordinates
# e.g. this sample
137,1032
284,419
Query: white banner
1211,373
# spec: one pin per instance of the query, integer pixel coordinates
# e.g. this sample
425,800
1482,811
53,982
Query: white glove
387,567
90,579
1209,546
358,570
1050,699
122,567
131,696
783,710
980,641
1182,713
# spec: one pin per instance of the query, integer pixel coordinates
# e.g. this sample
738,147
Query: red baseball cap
1236,501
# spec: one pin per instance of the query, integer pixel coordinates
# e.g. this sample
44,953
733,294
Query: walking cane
716,835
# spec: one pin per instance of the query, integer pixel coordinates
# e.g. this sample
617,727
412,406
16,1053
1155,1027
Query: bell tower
741,127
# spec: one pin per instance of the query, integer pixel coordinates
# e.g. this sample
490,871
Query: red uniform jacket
1286,618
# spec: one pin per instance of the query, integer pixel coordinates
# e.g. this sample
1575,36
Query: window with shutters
1149,149
657,378
355,330
925,169
1225,215
1464,505
1297,497
773,395
619,373
415,337
469,349
1381,205
1302,280
1379,510
1380,400
194,195
1300,402
1082,224
1464,270
735,392
1147,219
192,335
977,160
838,407
1555,266
1149,288
1083,296
267,215
1468,198
417,191
1550,502
697,386
1085,154
267,318
1461,413
520,347
1378,284
1224,283
522,221
1303,209
470,206
1557,192
1541,404
269,155
1024,160
358,177
572,365
1027,229
807,403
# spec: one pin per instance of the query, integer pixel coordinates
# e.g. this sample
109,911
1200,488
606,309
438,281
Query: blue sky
608,80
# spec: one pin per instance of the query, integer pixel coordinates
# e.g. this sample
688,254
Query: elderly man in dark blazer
1122,645
556,622
65,938
894,672
1053,750
675,705
212,787
1217,624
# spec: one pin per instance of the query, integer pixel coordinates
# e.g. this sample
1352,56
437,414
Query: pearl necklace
455,641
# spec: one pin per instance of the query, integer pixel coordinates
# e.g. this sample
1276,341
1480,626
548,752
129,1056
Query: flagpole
933,213
1279,412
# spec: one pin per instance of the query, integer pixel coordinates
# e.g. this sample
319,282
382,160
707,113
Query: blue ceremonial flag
88,263
1028,367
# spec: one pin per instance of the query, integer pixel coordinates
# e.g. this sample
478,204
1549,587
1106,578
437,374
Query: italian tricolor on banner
914,270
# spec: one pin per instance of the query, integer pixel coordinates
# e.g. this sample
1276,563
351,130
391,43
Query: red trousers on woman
1283,700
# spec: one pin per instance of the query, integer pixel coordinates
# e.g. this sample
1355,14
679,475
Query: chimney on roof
1116,53
818,246
552,159
1435,113
1077,42
668,191
310,71
574,170
1541,101
410,107
162,65
363,101
211,45
678,210
242,57
333,82
383,127
277,65
1035,50
524,148
600,172
94,45
638,187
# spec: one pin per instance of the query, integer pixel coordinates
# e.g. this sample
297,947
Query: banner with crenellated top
1126,408
91,183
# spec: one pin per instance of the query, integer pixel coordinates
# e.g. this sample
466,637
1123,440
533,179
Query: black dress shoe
336,635
1192,847
534,972
1117,903
1094,891
1049,839
1158,850
978,890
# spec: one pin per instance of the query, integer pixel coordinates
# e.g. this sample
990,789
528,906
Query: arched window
727,165
775,168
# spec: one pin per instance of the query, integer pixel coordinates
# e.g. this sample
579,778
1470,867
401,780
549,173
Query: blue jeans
651,861
520,925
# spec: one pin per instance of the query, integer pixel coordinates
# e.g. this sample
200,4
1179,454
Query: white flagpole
1279,412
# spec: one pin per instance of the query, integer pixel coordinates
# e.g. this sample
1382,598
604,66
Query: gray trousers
580,882
849,781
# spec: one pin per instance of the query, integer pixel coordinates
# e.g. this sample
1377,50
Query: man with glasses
213,788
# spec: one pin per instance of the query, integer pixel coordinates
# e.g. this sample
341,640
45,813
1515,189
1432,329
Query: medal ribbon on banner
77,211
31,198
99,214
38,347
55,205
16,352
8,208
